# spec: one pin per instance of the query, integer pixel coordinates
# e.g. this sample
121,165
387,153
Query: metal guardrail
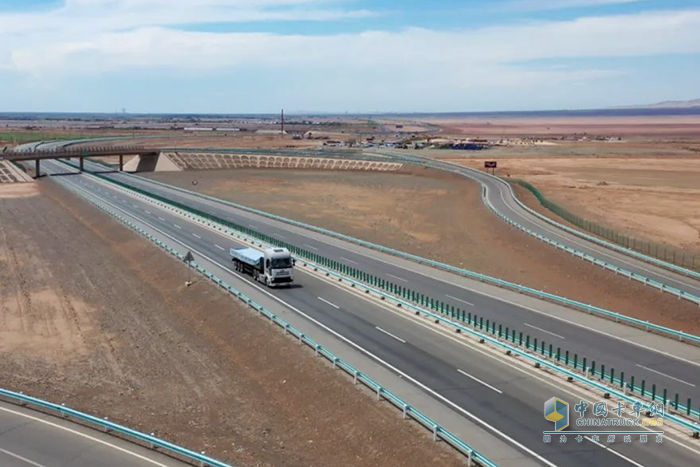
438,432
139,438
459,169
604,264
607,244
617,317
455,323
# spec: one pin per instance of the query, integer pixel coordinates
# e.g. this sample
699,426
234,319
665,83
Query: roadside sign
491,165
188,259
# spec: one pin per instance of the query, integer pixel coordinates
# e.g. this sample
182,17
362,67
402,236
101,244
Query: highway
667,365
500,196
476,386
33,439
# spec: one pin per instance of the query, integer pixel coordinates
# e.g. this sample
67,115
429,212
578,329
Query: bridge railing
84,151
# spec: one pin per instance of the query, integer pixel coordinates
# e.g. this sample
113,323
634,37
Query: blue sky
239,56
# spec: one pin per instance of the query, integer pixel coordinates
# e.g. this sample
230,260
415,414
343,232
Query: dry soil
94,316
437,215
654,197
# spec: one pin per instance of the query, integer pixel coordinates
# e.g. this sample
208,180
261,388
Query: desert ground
437,215
651,192
94,316
636,127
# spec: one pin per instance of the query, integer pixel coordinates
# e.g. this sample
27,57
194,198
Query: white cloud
534,5
86,37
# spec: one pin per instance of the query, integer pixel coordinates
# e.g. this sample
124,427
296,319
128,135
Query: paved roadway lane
678,375
33,439
501,198
430,361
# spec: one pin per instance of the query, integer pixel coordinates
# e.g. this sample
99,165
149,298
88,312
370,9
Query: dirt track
94,316
440,216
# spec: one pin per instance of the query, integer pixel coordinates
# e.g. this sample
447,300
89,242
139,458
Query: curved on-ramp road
33,439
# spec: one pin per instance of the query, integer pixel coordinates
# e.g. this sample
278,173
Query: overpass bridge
80,152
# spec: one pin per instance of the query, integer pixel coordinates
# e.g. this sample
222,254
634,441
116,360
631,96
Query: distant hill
666,105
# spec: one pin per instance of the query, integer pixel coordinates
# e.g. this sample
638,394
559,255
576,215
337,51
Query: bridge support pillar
37,169
82,163
121,163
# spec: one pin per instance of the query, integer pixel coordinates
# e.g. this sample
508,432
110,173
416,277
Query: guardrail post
612,375
602,372
687,407
521,339
665,399
575,361
405,410
558,353
379,393
566,358
653,392
675,403
642,391
622,379
435,430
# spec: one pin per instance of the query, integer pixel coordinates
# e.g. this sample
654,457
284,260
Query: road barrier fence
408,297
408,411
617,317
663,252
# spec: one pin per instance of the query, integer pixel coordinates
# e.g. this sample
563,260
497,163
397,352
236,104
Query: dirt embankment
94,316
437,215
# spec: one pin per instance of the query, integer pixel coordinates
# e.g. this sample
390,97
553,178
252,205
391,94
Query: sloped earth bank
437,215
96,317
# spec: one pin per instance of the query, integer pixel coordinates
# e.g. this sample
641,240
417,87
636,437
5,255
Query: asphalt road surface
33,439
678,373
500,196
476,386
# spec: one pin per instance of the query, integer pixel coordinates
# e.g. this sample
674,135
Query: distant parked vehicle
273,267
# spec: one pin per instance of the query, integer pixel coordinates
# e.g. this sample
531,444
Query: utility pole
282,121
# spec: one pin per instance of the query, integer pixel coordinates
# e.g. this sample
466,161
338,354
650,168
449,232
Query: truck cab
273,267
278,267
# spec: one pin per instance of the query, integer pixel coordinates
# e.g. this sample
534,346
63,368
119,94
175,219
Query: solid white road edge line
86,436
442,398
410,318
486,294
